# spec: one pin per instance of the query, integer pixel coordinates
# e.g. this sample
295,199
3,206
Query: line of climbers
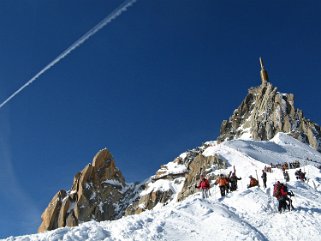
225,183
298,174
283,166
228,183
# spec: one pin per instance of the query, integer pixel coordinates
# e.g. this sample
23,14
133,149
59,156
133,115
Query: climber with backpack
204,185
221,181
233,181
300,175
253,182
280,193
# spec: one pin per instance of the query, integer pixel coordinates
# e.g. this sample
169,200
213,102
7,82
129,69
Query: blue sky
157,81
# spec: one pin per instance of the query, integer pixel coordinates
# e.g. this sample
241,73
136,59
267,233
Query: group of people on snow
228,183
225,183
286,165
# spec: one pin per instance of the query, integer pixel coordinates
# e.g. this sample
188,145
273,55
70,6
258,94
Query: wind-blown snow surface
246,214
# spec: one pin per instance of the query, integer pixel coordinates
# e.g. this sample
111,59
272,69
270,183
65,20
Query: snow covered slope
246,214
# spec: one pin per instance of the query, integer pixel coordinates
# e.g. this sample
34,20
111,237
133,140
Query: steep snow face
246,214
257,154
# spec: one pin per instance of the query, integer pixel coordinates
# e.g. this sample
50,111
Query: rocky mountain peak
94,193
264,112
99,192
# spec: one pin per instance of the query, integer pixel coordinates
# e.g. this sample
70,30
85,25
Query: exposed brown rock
196,167
94,192
71,220
50,215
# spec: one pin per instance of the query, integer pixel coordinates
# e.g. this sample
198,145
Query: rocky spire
263,73
97,193
264,112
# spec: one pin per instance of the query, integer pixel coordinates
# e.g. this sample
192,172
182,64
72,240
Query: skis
257,178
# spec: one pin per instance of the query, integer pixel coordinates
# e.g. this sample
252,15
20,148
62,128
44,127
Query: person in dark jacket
233,181
227,185
264,178
300,175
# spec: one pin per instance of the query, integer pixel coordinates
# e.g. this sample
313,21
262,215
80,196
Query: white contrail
114,14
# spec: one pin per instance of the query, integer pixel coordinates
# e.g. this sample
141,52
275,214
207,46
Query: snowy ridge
164,185
171,168
246,214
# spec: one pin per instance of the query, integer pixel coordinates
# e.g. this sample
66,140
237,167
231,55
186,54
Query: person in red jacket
253,182
281,195
204,185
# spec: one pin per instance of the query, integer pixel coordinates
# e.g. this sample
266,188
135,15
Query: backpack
277,189
253,182
256,182
207,184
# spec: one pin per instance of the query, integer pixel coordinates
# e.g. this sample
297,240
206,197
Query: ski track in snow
246,214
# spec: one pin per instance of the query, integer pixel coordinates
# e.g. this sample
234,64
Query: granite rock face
97,193
51,214
265,112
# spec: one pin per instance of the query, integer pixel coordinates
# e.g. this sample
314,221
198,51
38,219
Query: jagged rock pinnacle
93,195
264,112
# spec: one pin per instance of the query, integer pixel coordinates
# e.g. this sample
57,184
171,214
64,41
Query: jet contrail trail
114,14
